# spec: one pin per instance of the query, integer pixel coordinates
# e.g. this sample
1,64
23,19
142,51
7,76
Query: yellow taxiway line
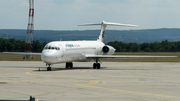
128,91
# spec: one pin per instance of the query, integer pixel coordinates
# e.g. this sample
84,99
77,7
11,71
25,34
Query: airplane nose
48,58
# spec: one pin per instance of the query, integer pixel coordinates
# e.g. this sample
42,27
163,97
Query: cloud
67,14
63,1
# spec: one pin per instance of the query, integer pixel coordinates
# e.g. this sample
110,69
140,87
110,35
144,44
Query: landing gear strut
69,65
96,65
48,68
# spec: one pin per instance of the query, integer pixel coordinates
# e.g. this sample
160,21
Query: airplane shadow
35,69
61,69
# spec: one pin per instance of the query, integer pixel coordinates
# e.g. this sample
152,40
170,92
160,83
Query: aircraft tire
98,66
67,65
48,68
94,66
71,65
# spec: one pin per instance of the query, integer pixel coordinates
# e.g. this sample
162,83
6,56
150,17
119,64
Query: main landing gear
48,68
69,65
96,65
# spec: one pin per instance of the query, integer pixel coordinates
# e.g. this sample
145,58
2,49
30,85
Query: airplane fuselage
70,51
81,51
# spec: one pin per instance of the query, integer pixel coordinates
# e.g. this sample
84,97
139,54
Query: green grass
17,57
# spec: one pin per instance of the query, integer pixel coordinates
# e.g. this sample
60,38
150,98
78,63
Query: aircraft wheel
71,65
67,65
98,66
94,66
48,68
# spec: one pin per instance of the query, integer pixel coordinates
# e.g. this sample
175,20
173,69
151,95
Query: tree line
11,45
163,46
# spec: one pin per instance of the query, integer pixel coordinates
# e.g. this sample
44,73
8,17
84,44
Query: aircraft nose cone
48,58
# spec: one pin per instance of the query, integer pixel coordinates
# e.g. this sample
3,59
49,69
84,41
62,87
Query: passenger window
58,48
55,48
52,48
49,47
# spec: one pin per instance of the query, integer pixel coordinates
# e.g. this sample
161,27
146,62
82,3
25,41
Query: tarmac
115,81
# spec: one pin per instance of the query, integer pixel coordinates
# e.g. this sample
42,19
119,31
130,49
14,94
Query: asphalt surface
115,81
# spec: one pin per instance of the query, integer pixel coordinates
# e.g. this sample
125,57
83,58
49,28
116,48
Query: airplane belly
73,57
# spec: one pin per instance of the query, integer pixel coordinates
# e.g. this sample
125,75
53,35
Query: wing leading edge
121,56
23,53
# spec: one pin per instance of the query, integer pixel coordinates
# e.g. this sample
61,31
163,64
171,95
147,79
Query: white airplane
80,51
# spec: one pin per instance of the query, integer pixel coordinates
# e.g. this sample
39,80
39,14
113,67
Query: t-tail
103,27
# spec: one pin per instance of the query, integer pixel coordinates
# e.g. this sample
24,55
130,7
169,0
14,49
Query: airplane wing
23,53
121,56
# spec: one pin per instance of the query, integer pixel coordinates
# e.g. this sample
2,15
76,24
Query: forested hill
12,45
126,36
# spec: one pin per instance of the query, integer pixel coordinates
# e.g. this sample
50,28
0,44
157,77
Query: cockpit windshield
51,48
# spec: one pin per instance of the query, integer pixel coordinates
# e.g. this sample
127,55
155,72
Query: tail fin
103,27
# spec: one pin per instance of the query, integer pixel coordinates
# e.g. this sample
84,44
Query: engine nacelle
108,50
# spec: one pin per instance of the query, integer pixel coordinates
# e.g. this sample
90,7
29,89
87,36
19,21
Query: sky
67,14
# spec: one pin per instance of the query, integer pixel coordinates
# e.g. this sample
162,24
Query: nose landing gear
48,68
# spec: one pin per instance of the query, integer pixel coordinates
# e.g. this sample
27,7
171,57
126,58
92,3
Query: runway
115,81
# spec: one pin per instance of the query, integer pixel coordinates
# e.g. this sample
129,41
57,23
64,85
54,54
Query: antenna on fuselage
103,27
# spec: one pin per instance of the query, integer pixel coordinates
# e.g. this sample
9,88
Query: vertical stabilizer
103,27
101,35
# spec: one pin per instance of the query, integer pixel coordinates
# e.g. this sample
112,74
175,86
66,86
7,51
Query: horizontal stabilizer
109,23
103,27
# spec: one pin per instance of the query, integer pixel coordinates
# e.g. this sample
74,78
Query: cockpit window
45,47
51,48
